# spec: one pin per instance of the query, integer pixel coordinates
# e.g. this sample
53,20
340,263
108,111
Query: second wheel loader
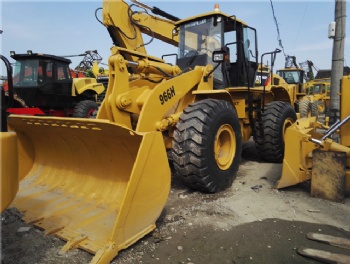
100,184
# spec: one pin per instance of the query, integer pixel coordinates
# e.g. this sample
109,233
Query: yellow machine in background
294,77
100,184
307,150
311,98
318,94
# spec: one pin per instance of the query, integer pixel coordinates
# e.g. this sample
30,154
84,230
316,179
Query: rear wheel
207,145
277,117
304,108
86,109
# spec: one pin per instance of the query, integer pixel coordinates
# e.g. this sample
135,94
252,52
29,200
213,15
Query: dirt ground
251,222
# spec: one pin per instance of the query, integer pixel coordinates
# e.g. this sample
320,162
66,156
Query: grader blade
296,142
95,184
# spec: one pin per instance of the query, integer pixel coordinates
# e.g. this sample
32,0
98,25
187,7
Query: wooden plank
324,256
331,240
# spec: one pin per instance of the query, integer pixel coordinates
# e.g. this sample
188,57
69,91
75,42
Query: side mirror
219,56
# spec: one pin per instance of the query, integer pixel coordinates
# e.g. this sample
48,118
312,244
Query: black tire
205,130
85,109
318,108
305,108
270,138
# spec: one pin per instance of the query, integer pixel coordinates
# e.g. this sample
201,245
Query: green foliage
90,74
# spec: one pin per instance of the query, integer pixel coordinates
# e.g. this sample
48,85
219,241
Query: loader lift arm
126,26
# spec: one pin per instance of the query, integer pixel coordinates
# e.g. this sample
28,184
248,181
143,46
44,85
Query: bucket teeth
73,243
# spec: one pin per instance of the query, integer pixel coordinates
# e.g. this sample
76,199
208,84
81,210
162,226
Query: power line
278,30
301,23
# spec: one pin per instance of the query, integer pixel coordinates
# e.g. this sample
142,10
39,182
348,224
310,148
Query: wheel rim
320,107
92,113
287,123
225,147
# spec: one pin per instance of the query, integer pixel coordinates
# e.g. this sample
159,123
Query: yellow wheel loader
294,78
100,184
318,94
311,153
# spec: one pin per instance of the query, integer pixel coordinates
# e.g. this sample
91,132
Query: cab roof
40,56
209,14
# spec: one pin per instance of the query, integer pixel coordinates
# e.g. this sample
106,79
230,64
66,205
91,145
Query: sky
70,28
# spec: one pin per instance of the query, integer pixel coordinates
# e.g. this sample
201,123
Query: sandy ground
251,222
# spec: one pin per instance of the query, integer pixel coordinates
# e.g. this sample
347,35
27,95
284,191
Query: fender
81,85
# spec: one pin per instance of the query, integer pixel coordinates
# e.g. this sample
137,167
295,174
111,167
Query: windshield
200,37
26,73
291,77
319,89
38,72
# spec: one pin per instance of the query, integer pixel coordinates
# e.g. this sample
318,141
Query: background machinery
43,85
311,154
295,78
317,90
312,95
113,171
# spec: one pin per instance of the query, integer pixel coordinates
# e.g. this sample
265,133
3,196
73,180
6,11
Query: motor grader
311,154
100,184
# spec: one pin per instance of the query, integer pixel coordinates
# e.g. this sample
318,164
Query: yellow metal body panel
80,85
95,184
345,111
297,147
9,168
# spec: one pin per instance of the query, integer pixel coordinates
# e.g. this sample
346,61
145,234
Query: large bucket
93,183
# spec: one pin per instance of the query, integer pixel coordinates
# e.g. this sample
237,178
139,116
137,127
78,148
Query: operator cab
200,36
41,79
292,76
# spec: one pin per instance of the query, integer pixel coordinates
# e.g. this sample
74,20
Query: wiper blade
191,60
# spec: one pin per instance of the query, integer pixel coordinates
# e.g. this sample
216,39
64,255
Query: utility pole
337,60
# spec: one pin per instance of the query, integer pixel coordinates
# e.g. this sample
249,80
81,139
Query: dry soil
251,222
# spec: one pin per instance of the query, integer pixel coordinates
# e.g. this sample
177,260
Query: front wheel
304,108
318,108
85,109
277,117
207,145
